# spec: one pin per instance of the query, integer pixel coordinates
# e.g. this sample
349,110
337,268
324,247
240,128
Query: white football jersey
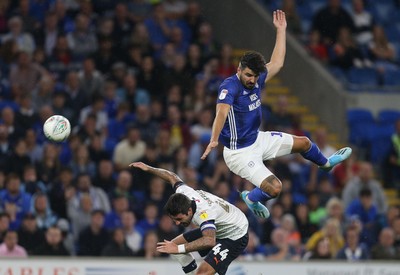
229,221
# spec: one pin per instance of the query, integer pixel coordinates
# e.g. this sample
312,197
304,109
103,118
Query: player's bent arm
179,240
219,121
208,240
166,175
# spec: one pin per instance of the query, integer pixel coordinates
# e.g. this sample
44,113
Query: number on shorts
276,134
223,253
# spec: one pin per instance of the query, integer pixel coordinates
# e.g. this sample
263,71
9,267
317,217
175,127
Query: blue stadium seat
391,78
383,12
359,115
362,76
388,116
379,143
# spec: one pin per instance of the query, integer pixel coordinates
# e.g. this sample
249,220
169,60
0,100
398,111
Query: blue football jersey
244,118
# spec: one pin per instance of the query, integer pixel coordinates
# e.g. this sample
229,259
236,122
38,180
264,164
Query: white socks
187,262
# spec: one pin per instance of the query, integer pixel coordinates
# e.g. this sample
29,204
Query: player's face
247,77
183,219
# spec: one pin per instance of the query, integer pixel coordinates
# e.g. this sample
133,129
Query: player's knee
301,144
205,269
272,186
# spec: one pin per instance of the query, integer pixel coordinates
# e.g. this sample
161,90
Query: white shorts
248,162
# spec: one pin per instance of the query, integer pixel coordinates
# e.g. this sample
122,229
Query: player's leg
310,151
222,255
187,260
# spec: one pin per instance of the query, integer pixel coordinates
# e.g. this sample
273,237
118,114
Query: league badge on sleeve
223,94
203,215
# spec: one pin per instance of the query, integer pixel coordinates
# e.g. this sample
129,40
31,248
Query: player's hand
167,247
210,146
279,19
139,165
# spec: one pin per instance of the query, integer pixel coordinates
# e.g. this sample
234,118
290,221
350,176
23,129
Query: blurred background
138,81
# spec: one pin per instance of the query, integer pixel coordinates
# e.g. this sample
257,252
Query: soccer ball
57,128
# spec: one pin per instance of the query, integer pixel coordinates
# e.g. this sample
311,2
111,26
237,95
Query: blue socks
314,154
258,195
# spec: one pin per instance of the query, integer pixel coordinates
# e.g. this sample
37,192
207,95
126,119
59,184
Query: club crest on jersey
203,215
223,94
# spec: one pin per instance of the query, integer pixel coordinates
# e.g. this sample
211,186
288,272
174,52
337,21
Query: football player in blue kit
238,118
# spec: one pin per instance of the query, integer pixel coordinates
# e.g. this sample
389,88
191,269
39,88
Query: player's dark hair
254,61
177,204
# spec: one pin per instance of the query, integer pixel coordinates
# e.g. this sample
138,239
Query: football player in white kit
222,233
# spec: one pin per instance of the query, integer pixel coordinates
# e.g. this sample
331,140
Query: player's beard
248,85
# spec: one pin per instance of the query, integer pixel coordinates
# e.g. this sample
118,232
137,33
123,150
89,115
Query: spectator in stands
123,188
23,39
129,149
35,150
5,146
5,220
150,220
78,97
81,162
18,159
59,104
49,167
316,47
273,222
122,25
280,249
15,202
96,108
113,219
382,51
353,249
42,94
320,251
385,249
396,230
94,237
82,40
117,246
105,178
53,246
254,250
178,129
4,13
46,36
149,251
345,53
317,212
80,217
363,23
105,56
166,229
331,232
99,197
132,236
335,209
25,75
365,180
345,171
330,19
391,165
293,237
45,218
158,27
8,119
29,234
208,45
363,208
306,229
60,191
292,18
194,62
281,118
144,122
90,79
10,247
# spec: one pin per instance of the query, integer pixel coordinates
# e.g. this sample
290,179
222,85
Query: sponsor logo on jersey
245,93
223,94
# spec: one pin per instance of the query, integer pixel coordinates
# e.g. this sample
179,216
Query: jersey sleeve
227,92
261,79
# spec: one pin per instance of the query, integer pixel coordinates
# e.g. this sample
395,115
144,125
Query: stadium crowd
138,82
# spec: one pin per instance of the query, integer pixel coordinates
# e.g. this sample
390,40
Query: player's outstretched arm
279,52
166,175
218,124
